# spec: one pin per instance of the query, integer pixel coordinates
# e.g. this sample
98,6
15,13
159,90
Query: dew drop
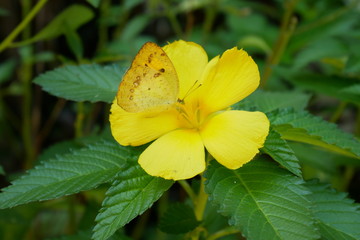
131,97
132,90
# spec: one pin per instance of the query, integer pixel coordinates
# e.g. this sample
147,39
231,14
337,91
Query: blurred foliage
308,53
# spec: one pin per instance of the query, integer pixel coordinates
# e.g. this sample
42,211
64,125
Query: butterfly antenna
191,90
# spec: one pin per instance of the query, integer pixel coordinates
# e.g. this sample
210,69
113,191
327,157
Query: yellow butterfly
151,82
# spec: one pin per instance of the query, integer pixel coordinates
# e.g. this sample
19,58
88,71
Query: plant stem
25,75
288,25
8,40
44,132
357,122
79,120
222,233
27,134
172,19
338,112
326,19
162,205
72,215
140,225
210,13
185,185
201,200
103,30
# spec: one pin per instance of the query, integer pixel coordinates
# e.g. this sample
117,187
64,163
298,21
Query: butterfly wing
151,83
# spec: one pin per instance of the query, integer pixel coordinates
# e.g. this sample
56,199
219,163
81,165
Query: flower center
190,114
190,111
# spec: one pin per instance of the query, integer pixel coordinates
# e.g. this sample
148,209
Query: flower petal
177,155
139,128
189,60
233,138
230,79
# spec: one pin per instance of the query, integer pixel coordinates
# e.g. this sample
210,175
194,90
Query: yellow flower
201,119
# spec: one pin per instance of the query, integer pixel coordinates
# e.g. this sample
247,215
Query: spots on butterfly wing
150,57
162,70
131,97
136,83
156,75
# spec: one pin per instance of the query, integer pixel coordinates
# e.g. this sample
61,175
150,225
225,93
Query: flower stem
288,25
201,200
8,40
202,197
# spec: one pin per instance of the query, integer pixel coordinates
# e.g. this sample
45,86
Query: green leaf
254,41
351,90
178,218
132,192
337,27
281,152
66,174
7,69
352,66
334,86
74,42
82,83
68,147
337,217
4,12
86,235
330,47
131,4
72,17
325,162
94,3
134,27
268,101
15,222
301,126
262,200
